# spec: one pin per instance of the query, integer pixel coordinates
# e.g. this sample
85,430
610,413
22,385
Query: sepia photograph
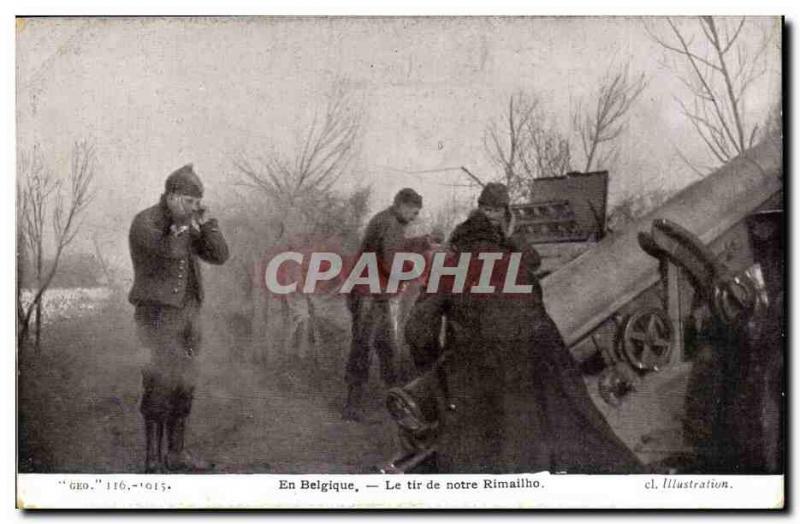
398,259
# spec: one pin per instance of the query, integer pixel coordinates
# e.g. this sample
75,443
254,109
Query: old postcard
400,262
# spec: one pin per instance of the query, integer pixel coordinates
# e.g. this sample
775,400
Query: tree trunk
313,333
22,336
39,271
262,340
22,329
285,329
38,326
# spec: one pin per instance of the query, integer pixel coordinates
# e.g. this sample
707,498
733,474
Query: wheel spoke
652,325
647,356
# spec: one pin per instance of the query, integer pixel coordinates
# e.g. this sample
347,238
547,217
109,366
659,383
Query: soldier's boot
178,459
352,406
154,432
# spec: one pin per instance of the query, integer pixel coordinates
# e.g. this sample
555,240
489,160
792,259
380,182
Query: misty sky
154,94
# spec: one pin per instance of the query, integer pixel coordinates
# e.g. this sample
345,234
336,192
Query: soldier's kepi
166,241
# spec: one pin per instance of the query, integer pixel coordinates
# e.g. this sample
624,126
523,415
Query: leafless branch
719,82
606,123
40,190
323,155
694,168
523,146
505,145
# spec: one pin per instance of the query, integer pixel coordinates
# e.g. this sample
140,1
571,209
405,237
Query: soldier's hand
199,217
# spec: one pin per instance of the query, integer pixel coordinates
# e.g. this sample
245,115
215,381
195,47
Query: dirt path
78,410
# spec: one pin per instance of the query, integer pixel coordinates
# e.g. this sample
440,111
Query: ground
78,408
79,397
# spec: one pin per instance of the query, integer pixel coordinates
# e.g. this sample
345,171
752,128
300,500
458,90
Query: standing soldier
372,322
165,242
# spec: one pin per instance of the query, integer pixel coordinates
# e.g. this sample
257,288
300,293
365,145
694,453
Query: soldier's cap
494,194
184,181
408,196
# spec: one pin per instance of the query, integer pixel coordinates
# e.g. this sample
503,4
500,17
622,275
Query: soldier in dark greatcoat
165,242
519,403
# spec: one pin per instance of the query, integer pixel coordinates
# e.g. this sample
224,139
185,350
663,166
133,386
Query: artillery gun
677,321
605,301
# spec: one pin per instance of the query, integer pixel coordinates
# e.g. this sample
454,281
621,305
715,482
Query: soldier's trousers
173,336
372,328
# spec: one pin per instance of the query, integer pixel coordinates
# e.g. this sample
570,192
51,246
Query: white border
397,8
283,7
538,491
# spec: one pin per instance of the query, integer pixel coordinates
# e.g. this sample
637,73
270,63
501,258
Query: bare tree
325,153
524,146
298,187
41,194
599,126
36,188
549,153
506,140
721,69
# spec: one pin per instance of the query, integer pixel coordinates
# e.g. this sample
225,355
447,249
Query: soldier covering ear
166,242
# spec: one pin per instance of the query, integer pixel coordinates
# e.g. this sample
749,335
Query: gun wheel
647,339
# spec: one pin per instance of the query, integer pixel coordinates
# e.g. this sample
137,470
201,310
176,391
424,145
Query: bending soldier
165,242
